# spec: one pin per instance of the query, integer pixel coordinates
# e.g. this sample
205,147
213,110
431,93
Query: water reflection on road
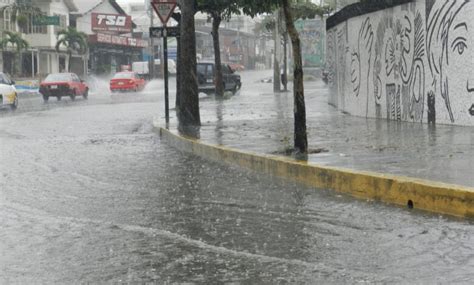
90,194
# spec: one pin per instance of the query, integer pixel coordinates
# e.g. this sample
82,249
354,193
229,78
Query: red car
126,81
63,84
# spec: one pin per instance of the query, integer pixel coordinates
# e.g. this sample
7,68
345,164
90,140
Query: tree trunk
300,136
17,64
177,18
219,82
285,62
178,75
189,113
69,61
276,64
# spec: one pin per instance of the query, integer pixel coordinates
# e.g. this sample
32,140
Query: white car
8,94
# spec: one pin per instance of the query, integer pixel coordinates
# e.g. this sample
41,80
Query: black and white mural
412,62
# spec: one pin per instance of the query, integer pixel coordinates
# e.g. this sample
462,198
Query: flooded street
89,194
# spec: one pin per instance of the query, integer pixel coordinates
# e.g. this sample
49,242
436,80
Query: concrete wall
412,62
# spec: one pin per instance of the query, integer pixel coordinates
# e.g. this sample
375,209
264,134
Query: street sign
46,21
162,32
164,9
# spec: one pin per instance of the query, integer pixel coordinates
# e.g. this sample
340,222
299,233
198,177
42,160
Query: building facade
41,58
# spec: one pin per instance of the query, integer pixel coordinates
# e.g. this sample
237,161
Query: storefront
107,53
112,43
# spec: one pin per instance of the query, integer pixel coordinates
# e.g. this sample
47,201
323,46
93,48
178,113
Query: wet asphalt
89,194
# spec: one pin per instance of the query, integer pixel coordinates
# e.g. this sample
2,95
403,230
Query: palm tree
17,42
74,41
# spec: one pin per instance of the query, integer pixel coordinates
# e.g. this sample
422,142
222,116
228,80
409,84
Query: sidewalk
260,121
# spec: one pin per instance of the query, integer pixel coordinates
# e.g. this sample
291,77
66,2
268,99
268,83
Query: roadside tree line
187,100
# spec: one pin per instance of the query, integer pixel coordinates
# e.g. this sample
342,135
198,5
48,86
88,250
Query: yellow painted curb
422,194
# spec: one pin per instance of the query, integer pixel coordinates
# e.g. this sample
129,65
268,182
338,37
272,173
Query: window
7,19
7,79
3,80
75,78
62,23
57,77
29,28
201,68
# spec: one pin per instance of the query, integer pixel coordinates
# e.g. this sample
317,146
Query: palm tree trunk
17,64
178,75
219,82
69,61
300,135
189,114
276,63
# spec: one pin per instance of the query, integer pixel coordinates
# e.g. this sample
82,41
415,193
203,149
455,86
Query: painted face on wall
451,56
458,73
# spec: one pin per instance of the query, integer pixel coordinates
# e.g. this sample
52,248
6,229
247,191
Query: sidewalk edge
422,194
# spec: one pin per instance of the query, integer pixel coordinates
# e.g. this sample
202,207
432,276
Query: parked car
206,77
126,81
8,94
63,84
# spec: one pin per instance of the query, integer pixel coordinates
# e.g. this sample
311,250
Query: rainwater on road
89,194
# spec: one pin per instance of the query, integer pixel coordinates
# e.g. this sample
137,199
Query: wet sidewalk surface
258,120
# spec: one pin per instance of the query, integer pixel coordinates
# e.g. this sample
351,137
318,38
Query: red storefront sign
117,40
111,23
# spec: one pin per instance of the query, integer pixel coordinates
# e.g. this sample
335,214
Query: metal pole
165,74
151,59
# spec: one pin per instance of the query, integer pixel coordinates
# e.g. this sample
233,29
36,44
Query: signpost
164,9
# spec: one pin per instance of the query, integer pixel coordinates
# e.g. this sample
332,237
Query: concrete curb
422,194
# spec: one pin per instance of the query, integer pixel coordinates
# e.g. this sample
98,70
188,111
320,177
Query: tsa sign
164,9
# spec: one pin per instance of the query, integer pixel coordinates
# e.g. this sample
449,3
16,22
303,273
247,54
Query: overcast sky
129,1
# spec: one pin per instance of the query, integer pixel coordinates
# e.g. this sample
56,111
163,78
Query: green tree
218,11
73,40
188,109
18,44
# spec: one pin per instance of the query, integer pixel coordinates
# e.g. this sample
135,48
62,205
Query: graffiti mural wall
411,62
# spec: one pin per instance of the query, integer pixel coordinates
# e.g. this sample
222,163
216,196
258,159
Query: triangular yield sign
164,10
